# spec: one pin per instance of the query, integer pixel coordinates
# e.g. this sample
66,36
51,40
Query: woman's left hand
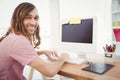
51,54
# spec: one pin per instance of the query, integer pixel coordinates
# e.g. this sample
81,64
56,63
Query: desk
74,71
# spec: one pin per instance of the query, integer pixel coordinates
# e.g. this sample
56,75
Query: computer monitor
78,37
78,33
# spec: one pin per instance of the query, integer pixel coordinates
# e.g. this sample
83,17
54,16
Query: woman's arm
49,69
49,54
40,52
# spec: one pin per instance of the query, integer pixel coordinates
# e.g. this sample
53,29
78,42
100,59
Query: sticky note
117,23
75,21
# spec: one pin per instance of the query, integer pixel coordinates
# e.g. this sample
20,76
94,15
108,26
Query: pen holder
109,56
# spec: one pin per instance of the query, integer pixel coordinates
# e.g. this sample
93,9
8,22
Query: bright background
54,12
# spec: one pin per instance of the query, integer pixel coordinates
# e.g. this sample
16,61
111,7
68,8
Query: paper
75,21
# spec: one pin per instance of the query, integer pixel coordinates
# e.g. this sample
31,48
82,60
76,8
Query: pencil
105,49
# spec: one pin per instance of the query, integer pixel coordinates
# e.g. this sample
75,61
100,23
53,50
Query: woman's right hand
64,56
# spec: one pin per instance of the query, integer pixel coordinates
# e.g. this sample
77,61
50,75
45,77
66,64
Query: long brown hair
17,23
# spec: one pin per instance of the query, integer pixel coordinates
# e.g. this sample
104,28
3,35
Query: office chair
43,77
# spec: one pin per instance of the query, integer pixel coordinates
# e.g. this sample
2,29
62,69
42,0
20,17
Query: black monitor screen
79,33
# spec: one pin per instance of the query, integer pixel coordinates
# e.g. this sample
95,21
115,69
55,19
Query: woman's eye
30,17
36,18
27,17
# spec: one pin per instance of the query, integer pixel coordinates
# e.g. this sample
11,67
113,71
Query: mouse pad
99,68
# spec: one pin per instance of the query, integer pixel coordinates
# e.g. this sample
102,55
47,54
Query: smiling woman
20,40
5,17
20,21
31,21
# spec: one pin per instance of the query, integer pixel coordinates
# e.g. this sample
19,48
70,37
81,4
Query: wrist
62,59
40,52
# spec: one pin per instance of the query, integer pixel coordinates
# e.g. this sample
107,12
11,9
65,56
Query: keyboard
76,60
73,58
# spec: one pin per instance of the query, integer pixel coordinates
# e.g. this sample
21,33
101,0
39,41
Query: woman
17,46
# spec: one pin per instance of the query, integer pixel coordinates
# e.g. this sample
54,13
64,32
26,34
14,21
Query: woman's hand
49,54
53,56
64,56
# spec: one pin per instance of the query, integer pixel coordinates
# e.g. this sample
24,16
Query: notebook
117,34
99,68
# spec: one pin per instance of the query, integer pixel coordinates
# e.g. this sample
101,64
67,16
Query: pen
114,47
105,49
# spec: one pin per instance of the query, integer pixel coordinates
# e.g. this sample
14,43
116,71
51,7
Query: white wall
66,9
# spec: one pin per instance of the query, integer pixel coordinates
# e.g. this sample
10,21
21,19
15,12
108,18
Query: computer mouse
89,62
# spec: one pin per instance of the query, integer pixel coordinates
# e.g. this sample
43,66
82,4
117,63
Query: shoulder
19,38
22,44
19,41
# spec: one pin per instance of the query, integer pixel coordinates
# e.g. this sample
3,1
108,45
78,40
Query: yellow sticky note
75,21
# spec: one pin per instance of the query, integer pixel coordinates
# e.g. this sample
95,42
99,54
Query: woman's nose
33,21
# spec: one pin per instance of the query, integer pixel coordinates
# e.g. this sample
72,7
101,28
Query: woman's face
31,21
